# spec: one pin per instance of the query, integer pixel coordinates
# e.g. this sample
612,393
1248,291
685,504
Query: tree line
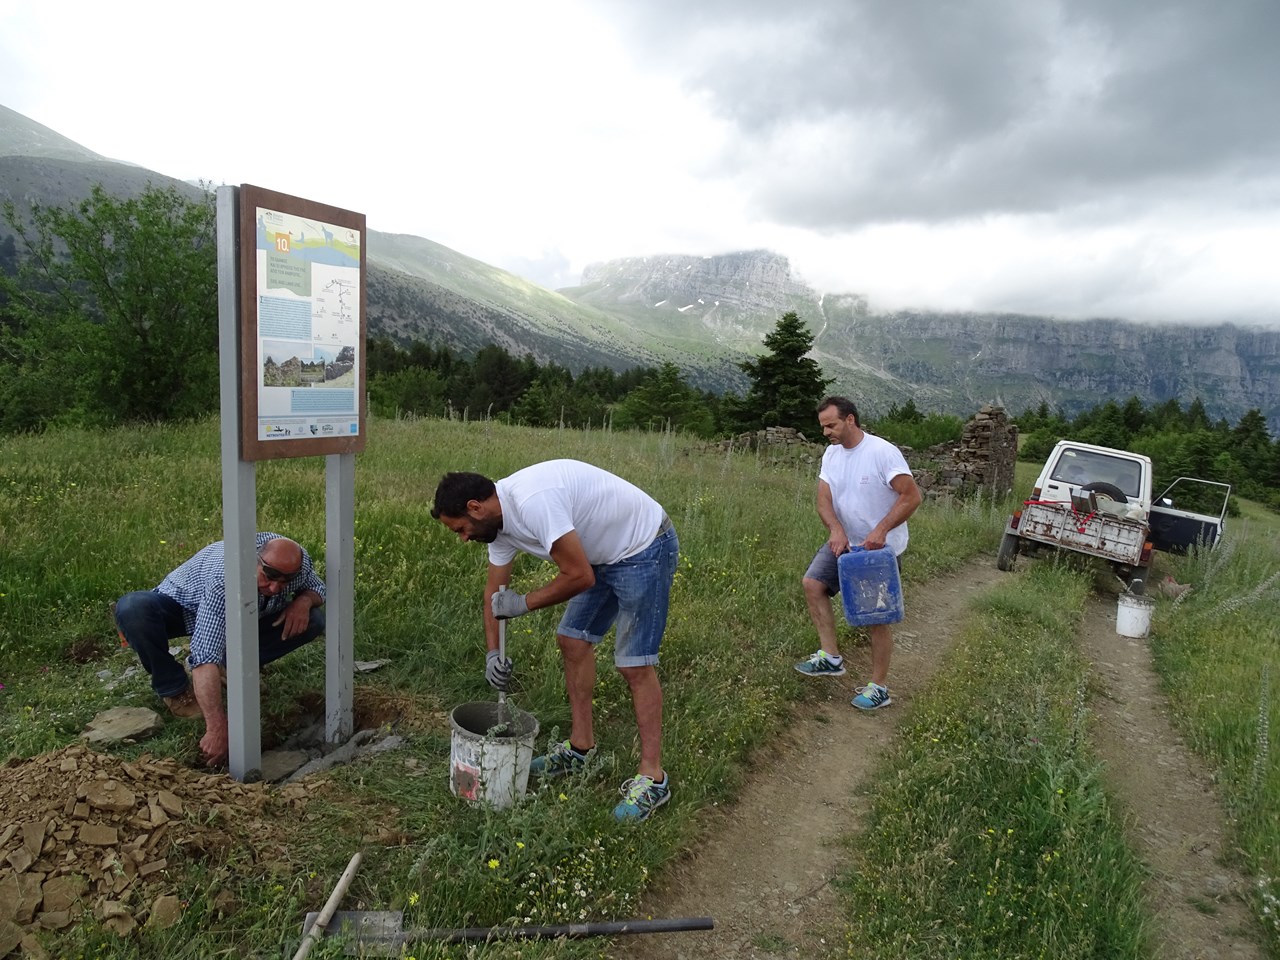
784,386
1180,442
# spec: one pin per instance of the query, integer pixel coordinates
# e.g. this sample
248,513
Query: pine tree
786,383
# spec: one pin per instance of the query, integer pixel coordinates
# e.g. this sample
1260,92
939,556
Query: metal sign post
239,515
291,323
340,583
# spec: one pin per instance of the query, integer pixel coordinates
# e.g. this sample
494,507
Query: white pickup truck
1097,501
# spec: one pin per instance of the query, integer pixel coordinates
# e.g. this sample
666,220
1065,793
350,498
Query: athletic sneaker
872,697
822,664
641,796
560,758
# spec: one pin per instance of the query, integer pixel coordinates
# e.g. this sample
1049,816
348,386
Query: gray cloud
856,112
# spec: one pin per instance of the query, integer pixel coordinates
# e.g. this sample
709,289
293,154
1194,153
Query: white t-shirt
614,519
859,480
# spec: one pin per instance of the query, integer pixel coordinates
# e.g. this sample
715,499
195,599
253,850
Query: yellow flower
413,899
493,864
563,798
519,845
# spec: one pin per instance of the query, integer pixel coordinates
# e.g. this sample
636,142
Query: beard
485,531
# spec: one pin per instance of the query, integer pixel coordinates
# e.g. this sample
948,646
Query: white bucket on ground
490,753
1133,616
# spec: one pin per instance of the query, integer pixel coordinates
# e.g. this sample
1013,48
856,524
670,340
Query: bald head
281,554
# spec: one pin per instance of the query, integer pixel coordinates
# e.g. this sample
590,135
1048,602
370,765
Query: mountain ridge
706,314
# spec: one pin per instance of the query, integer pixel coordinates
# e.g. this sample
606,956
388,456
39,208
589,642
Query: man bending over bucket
616,552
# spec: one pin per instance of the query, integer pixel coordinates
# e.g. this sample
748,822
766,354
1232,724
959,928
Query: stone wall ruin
981,462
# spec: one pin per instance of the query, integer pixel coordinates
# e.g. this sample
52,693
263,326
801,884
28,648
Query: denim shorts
633,592
825,568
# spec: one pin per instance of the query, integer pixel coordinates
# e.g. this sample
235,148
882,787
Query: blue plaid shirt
200,588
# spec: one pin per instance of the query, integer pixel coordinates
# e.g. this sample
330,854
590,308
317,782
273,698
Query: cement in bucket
490,753
1133,616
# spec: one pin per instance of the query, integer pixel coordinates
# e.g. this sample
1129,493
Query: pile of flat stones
88,832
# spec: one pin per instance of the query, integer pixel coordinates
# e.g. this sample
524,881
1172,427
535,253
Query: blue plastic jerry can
870,586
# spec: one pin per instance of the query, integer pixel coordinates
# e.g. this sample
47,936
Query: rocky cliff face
948,361
730,296
753,281
1019,361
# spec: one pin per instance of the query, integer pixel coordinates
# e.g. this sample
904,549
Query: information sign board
303,329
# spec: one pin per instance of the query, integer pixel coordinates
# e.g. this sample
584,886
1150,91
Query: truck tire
1108,490
1008,551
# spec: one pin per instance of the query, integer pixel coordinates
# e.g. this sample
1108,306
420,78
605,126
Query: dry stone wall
981,462
768,438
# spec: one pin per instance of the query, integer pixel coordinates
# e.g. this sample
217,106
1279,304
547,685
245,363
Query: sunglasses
273,574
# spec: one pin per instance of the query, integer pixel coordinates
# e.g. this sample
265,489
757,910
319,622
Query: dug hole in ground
764,870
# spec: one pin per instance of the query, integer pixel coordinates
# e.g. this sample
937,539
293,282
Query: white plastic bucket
490,753
1133,616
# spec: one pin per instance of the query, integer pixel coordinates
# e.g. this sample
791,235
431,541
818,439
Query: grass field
87,516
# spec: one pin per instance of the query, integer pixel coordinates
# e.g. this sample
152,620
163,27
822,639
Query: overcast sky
1083,158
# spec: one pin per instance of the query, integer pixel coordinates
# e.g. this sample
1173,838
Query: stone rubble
90,832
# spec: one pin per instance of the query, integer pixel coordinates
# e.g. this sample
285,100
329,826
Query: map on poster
308,327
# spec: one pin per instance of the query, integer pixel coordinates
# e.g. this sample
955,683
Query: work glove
506,604
497,670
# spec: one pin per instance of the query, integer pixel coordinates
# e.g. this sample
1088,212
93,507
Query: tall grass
86,516
1217,649
990,834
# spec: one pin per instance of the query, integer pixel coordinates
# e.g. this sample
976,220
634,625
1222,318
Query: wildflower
563,798
413,899
519,845
493,863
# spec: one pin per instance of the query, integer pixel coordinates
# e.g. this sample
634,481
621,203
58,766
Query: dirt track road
764,870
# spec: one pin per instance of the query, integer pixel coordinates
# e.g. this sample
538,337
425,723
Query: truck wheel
1108,490
1008,551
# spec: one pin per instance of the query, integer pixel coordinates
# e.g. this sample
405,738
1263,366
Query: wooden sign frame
294,426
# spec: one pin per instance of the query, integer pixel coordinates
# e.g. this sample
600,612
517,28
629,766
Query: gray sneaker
560,759
872,697
821,664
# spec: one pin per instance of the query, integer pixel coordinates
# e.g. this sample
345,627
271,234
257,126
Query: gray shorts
825,569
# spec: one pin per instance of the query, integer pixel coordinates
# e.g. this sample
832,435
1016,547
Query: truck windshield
1079,467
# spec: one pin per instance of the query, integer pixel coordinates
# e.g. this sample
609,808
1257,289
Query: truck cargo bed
1099,534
